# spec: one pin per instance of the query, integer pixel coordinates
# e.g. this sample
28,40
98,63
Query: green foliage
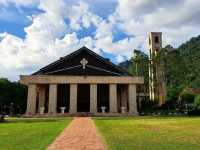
138,66
173,93
12,92
197,102
148,105
182,67
172,65
190,52
187,97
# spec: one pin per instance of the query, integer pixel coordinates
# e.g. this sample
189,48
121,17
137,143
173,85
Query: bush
197,102
148,106
2,118
173,93
187,97
194,112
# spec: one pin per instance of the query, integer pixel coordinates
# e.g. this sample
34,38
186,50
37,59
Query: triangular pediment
82,62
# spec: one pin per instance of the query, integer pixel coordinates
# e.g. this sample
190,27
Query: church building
81,82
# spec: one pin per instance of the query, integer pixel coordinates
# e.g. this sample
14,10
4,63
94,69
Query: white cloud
47,38
177,19
42,38
80,16
120,58
19,2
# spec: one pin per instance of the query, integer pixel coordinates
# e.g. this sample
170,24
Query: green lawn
150,133
30,134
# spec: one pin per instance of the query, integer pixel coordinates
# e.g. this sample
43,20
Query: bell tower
157,89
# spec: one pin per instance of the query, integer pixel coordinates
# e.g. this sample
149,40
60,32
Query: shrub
187,97
194,112
148,106
197,102
173,93
2,118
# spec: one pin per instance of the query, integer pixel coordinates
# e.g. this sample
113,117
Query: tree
12,93
138,65
173,68
197,102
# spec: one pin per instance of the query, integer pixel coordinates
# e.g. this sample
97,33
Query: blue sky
34,33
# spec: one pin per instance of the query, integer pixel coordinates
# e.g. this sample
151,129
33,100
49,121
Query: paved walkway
81,134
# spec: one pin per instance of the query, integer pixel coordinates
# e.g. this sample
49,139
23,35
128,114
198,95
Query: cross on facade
84,62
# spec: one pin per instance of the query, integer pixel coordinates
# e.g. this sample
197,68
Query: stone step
83,114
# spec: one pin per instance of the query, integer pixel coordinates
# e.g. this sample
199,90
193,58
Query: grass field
150,133
30,134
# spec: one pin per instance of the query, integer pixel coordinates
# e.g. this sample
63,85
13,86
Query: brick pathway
81,134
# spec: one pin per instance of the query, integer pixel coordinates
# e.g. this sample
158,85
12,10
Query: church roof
82,62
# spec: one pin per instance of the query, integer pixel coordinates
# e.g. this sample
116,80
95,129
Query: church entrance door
83,98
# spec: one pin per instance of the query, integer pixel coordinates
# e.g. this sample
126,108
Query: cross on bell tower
84,62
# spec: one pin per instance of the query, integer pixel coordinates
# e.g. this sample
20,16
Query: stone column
41,96
52,98
132,99
124,97
93,98
31,99
113,98
73,99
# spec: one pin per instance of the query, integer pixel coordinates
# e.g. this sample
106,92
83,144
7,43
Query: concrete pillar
132,99
73,99
124,97
93,98
53,98
119,98
31,99
113,98
41,96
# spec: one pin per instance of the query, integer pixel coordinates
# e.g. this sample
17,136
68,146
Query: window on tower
156,39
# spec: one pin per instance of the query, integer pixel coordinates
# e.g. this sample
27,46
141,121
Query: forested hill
190,53
125,64
181,66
